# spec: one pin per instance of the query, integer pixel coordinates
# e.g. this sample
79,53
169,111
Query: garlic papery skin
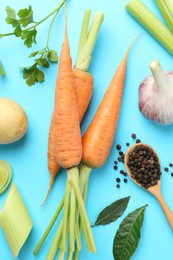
156,95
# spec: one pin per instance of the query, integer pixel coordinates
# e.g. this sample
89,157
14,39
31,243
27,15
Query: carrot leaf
52,56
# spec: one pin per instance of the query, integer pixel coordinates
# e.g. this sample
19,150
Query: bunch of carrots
67,149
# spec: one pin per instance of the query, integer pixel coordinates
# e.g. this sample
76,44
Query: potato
13,121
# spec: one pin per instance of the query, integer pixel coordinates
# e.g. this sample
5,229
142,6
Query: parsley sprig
24,27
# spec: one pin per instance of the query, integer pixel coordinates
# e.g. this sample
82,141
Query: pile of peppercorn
144,166
120,159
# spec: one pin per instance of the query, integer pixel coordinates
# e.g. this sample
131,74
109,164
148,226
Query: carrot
68,153
67,137
98,138
83,83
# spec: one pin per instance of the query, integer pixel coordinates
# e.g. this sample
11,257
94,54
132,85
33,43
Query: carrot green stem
55,244
73,178
87,39
61,255
151,23
40,243
83,180
65,217
72,220
166,8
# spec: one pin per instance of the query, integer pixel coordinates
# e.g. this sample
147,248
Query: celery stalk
166,8
151,23
15,220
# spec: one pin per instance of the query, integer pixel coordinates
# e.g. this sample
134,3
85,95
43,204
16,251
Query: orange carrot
67,137
97,140
83,85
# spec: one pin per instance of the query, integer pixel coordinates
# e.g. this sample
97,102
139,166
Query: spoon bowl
154,189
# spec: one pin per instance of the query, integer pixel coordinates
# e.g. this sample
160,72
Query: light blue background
28,157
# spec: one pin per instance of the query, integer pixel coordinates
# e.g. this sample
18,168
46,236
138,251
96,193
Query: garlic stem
159,76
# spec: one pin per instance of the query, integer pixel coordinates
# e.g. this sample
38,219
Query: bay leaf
128,235
112,212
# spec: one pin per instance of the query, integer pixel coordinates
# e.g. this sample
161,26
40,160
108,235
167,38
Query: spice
127,144
118,147
170,165
166,169
115,167
118,179
144,166
118,186
125,180
138,141
172,174
133,136
115,162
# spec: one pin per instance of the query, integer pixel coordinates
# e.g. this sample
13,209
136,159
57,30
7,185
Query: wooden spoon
155,190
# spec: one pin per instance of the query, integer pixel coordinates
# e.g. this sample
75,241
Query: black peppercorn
115,167
118,179
144,166
125,180
118,147
133,136
118,186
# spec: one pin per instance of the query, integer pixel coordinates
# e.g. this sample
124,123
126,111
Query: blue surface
28,157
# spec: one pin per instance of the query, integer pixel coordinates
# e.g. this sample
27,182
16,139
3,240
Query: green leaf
18,31
42,62
40,75
33,54
112,212
128,235
33,75
10,12
11,17
52,56
2,72
29,37
26,16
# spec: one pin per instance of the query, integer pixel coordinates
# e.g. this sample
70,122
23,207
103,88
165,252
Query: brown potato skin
13,121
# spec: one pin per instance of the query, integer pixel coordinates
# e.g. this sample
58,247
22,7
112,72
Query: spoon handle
165,208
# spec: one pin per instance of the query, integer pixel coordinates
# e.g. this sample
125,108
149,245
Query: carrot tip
47,193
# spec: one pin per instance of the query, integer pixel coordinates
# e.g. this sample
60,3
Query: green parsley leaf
2,72
11,17
26,16
42,62
18,31
52,56
10,12
33,75
33,54
29,37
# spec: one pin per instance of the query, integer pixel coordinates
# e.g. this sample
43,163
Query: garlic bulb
156,95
